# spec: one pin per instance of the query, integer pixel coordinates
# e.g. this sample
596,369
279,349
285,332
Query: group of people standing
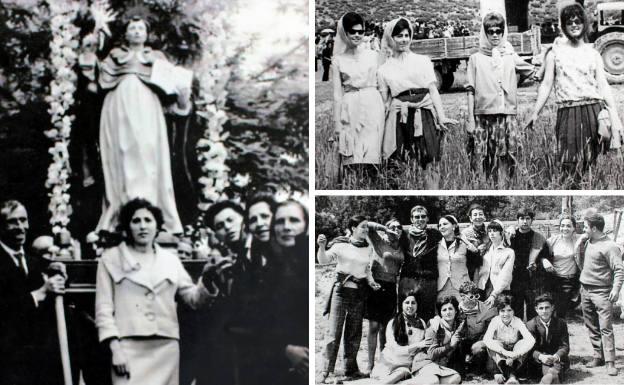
445,302
253,322
389,108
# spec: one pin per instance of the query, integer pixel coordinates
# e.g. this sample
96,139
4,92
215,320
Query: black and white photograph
154,192
469,95
469,289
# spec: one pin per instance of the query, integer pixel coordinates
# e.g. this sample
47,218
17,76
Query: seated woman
508,340
443,338
404,356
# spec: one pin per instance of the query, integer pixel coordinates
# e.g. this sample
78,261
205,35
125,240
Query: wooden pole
61,328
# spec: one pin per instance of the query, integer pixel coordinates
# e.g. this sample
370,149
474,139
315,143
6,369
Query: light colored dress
133,139
361,108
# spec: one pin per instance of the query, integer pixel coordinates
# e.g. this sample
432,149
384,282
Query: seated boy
549,358
477,316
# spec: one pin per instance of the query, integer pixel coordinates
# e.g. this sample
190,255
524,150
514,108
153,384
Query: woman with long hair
358,108
137,285
576,71
565,284
415,118
347,298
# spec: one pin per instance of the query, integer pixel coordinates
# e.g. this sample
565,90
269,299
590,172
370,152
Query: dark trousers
346,313
565,292
522,294
598,319
326,64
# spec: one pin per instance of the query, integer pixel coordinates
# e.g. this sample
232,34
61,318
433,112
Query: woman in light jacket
452,250
135,300
496,273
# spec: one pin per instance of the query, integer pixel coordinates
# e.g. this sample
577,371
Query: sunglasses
419,217
355,32
470,296
494,31
574,22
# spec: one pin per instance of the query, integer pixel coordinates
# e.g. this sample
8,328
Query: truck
608,32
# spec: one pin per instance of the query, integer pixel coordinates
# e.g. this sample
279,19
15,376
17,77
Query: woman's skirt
578,142
381,304
153,361
496,140
425,148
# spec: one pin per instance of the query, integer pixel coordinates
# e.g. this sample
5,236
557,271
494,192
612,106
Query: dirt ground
580,347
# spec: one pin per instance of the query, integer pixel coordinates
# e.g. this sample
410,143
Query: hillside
328,11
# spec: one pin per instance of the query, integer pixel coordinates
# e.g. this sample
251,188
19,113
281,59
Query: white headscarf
504,48
342,41
387,42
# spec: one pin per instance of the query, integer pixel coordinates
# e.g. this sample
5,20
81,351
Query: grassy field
580,347
537,167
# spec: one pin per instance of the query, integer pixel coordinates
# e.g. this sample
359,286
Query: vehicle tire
611,48
447,81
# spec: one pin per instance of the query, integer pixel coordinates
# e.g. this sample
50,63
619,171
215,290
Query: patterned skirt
496,140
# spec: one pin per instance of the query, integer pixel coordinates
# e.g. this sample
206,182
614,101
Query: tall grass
537,166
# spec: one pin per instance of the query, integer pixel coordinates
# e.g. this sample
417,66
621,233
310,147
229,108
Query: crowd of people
446,304
251,322
387,108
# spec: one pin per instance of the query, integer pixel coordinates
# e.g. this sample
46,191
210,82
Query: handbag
604,125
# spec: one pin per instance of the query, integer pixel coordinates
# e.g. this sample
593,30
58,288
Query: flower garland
213,75
63,56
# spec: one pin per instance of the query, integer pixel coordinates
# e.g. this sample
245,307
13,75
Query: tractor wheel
611,48
447,81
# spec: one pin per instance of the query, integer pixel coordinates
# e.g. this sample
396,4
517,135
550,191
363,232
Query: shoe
329,378
499,378
350,376
611,369
594,363
512,380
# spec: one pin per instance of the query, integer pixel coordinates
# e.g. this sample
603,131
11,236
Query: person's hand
445,121
54,284
528,125
546,359
548,266
215,269
102,16
482,248
120,362
298,356
614,295
489,302
455,340
184,97
532,267
509,362
321,241
374,285
471,124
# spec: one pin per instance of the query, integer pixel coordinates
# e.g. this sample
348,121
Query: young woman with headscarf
415,118
576,71
347,298
358,108
492,100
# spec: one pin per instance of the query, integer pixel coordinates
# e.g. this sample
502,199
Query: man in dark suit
25,313
549,358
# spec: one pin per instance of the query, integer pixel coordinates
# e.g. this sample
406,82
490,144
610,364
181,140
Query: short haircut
570,12
569,217
475,206
304,210
545,297
216,208
525,212
355,220
265,197
401,25
135,18
595,220
350,20
444,300
391,220
469,287
418,208
504,299
493,19
130,208
494,225
7,207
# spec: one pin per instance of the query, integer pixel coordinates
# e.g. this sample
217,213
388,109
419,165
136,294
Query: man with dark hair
27,315
477,235
549,358
602,274
528,246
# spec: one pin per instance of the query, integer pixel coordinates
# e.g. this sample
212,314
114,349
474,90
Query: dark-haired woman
576,71
452,258
137,286
415,119
443,338
492,100
385,267
508,340
561,263
353,255
358,108
496,273
133,131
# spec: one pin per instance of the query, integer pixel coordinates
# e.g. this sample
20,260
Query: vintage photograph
469,95
469,289
154,192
